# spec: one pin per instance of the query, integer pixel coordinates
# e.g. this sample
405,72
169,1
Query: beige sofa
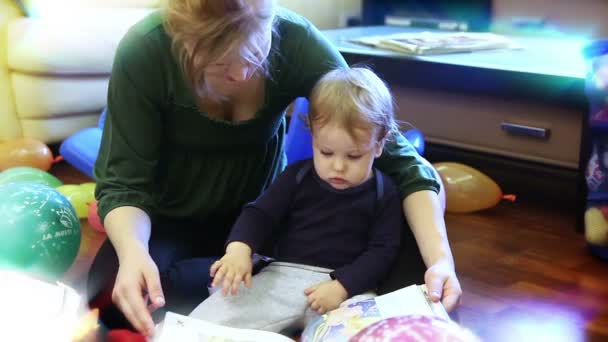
55,63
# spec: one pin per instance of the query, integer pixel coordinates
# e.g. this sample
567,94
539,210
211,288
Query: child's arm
425,216
251,230
369,268
258,219
373,265
233,268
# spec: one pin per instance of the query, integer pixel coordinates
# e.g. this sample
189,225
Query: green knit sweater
161,154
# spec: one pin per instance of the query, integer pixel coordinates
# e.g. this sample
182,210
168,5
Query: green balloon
28,174
40,231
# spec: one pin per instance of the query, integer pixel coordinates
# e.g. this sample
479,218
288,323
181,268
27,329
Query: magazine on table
411,300
428,43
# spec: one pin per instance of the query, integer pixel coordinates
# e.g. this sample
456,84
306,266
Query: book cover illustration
341,324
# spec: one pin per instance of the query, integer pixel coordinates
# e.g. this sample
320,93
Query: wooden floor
525,272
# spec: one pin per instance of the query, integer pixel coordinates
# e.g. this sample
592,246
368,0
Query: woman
195,130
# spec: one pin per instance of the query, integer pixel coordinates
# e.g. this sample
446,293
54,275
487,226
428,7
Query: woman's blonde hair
354,98
211,29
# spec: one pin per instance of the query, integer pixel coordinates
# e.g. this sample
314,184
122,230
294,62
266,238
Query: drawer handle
529,131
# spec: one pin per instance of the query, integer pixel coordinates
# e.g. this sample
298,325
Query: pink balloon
414,328
94,219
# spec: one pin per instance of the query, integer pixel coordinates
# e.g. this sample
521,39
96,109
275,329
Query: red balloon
25,152
414,328
94,219
604,210
124,335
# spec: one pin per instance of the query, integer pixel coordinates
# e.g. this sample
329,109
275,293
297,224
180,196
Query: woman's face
226,75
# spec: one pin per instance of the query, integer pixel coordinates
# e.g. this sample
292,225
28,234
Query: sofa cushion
39,96
53,130
10,128
82,42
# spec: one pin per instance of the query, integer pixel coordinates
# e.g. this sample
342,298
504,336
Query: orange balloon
25,152
467,189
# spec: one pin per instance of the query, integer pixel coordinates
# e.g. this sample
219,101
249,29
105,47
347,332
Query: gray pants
276,301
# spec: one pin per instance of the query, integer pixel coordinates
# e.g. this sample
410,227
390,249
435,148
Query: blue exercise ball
416,138
298,142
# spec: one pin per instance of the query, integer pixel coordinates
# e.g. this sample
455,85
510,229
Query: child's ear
379,148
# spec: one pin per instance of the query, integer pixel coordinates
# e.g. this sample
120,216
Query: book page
187,329
27,296
34,310
411,300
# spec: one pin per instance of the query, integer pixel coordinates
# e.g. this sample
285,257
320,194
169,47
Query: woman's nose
237,72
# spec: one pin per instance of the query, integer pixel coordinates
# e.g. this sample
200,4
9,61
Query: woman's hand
136,282
326,296
233,268
442,283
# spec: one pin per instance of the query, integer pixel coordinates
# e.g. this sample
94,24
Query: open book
427,43
337,325
37,310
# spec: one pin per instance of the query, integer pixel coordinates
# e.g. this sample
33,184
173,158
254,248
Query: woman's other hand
442,284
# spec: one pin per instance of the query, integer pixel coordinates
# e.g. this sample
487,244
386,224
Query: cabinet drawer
538,132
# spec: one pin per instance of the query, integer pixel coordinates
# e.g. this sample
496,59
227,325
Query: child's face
340,160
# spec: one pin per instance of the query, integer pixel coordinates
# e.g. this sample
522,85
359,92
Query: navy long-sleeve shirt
355,231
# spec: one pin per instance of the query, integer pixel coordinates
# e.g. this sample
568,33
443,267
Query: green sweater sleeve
130,145
401,161
310,54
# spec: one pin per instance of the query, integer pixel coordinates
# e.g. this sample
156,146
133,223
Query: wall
584,16
325,14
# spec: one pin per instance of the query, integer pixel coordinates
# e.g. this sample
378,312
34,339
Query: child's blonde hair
354,98
212,29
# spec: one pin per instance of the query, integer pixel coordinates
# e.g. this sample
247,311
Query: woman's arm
126,171
127,227
129,156
423,206
424,213
425,217
428,210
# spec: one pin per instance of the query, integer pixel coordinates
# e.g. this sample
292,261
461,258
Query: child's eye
354,157
326,153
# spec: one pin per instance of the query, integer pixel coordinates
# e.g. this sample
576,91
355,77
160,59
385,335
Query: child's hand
326,296
233,268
